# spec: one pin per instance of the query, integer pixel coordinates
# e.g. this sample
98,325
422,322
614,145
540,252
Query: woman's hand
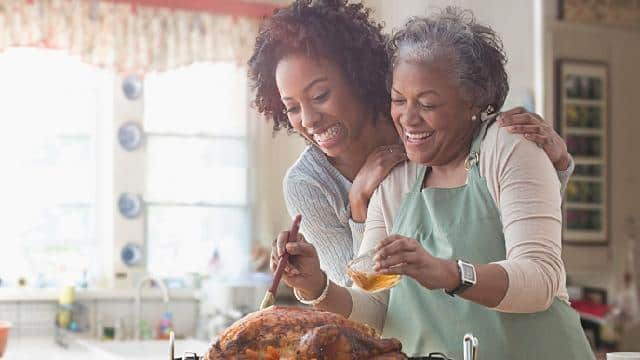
377,166
536,129
303,271
402,255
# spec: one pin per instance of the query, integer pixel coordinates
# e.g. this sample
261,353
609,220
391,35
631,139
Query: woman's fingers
521,119
292,270
391,149
524,129
511,112
388,240
399,269
532,126
279,247
283,238
392,153
393,245
300,249
390,156
398,157
524,118
397,259
540,140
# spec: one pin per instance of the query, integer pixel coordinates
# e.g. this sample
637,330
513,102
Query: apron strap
474,155
419,179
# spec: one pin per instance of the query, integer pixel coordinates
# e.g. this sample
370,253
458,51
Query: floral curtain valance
125,38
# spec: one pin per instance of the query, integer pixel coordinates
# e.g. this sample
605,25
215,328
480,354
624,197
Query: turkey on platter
280,332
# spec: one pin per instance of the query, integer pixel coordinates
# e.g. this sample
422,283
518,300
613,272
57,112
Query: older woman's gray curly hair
475,51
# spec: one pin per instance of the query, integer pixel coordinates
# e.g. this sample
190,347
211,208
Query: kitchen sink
141,349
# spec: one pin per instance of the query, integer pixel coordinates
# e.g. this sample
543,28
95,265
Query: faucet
137,328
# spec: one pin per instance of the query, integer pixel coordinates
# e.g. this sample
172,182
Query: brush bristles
268,300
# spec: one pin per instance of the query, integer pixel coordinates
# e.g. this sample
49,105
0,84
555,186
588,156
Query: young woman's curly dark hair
334,30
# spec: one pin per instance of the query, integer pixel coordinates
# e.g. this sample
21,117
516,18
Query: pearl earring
474,118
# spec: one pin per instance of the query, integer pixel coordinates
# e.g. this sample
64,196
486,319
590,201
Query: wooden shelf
588,160
584,236
585,102
585,178
584,131
583,206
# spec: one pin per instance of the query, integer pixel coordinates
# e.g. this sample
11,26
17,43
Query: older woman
320,69
473,221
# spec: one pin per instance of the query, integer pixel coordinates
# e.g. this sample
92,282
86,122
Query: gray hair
453,34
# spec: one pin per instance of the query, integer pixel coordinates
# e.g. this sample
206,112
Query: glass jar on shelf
584,219
595,88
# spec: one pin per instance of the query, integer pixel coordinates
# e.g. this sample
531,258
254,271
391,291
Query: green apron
464,223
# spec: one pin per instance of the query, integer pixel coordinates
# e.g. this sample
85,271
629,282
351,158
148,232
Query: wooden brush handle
293,236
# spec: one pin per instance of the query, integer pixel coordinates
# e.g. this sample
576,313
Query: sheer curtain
126,38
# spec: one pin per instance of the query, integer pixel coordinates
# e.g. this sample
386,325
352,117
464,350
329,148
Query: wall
604,266
273,155
512,20
128,177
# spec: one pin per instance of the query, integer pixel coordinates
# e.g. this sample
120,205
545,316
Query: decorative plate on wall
132,87
130,136
131,254
130,205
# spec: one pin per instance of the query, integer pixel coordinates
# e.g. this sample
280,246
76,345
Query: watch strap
460,288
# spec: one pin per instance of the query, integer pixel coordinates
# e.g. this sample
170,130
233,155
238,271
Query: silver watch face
468,273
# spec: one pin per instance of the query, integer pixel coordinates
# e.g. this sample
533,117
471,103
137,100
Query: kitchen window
198,217
57,145
53,108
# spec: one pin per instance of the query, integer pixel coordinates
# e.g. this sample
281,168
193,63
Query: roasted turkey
280,332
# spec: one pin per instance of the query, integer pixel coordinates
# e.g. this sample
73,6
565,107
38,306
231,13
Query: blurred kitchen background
139,187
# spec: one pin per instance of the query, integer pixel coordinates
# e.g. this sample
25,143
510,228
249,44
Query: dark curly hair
334,30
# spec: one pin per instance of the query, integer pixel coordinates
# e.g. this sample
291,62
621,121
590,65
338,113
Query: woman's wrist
562,164
313,296
358,204
451,277
315,287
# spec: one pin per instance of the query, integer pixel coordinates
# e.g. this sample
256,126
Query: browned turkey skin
280,332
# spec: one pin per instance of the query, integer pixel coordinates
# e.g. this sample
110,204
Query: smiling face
320,104
430,113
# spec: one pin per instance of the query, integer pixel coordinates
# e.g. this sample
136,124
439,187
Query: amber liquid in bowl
373,282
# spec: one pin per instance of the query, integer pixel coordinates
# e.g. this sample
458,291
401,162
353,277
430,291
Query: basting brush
270,296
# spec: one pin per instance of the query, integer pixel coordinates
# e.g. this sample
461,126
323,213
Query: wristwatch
467,274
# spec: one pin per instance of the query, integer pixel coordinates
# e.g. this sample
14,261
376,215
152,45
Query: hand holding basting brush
270,296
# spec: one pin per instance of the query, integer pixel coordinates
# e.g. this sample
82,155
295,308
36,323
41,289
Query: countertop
32,348
13,295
